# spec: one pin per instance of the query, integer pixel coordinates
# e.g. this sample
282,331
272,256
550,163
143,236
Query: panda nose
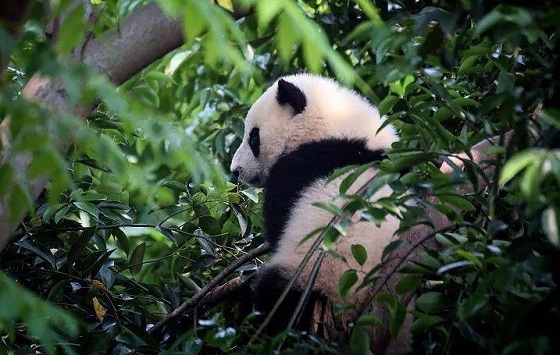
236,172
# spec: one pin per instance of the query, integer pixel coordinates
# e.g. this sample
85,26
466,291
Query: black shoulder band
297,170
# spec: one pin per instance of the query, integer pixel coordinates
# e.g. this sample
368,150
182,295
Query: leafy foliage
141,212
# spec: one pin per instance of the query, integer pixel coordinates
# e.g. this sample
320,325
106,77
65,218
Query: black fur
297,170
255,141
269,285
290,94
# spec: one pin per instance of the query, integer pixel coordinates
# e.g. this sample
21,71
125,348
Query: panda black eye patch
255,141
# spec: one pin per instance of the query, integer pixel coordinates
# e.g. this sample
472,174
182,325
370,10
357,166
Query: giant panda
297,133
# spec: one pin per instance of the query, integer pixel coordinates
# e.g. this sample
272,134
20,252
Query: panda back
305,217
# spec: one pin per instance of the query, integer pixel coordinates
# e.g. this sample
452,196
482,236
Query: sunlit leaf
551,223
72,30
517,163
100,311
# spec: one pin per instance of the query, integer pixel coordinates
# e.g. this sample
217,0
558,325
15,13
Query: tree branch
198,298
223,292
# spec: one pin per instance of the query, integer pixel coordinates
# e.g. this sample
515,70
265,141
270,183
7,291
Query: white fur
331,111
306,218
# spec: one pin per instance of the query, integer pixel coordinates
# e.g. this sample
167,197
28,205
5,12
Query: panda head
299,109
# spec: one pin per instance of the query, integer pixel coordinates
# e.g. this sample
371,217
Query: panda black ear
290,94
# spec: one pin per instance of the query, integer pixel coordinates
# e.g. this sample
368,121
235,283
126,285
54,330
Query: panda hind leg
269,285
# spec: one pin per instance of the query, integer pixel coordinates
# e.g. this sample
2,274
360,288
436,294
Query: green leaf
351,178
390,248
286,37
517,163
93,196
347,280
387,104
51,210
450,240
458,201
408,283
506,83
168,233
342,226
20,201
6,176
94,164
61,213
39,251
430,302
473,305
312,54
531,179
452,266
368,319
467,255
88,208
72,31
359,253
371,11
331,236
463,102
226,4
552,116
488,21
210,225
79,247
359,342
137,258
340,172
466,64
175,185
122,239
404,161
194,21
398,316
44,323
267,10
329,207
